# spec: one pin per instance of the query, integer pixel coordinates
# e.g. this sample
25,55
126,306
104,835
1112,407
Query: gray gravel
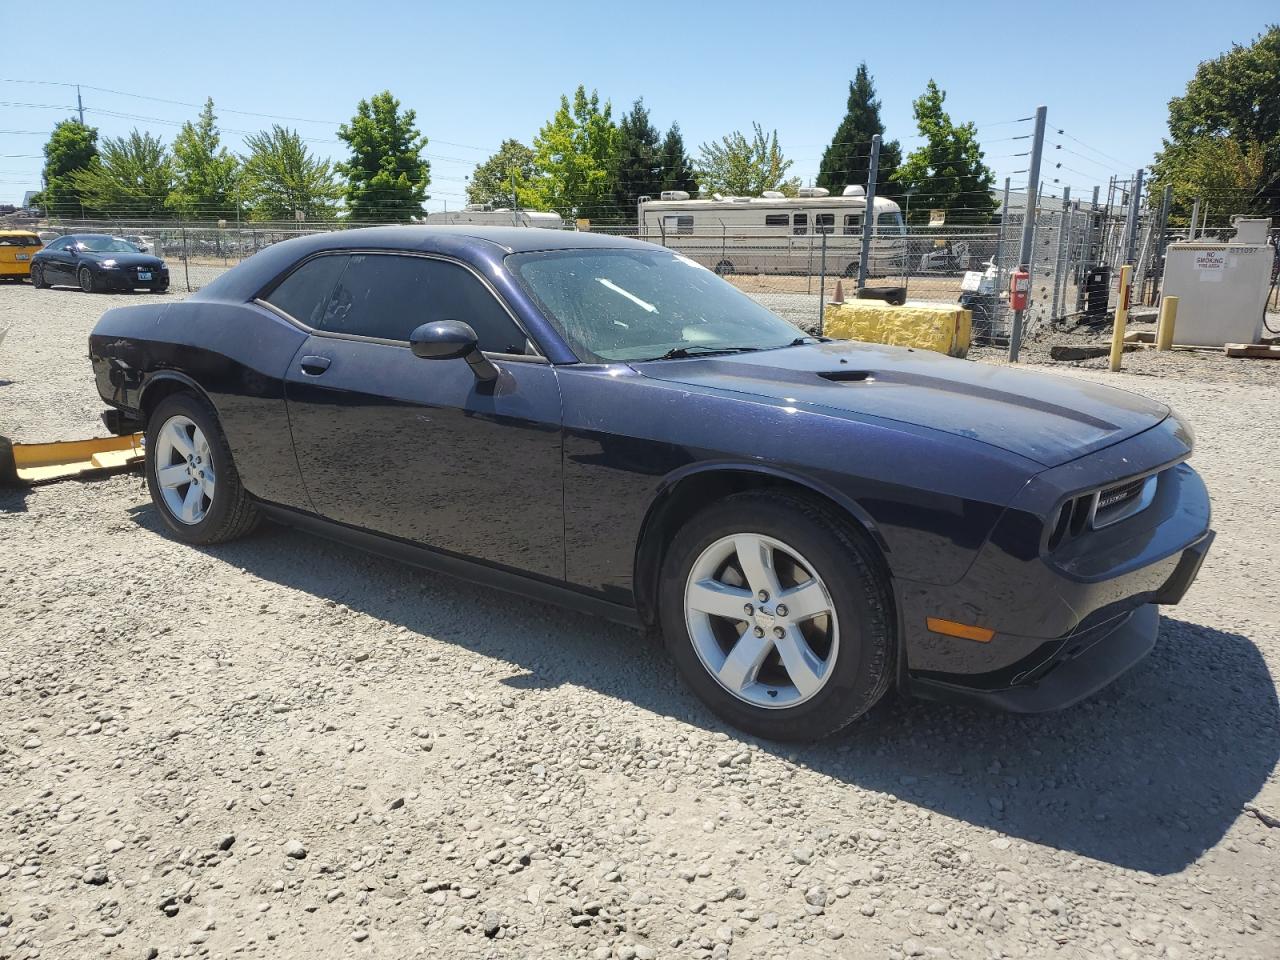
283,748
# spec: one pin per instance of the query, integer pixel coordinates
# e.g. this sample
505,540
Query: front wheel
778,615
87,283
190,474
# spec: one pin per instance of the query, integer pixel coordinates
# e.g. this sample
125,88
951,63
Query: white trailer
773,233
489,215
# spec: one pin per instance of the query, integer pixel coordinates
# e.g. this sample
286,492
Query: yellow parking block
25,464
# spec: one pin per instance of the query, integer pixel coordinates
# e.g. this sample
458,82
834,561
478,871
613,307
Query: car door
55,261
420,449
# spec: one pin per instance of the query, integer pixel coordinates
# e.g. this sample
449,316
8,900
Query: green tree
574,160
1229,115
639,161
72,147
206,175
847,160
387,176
281,177
677,169
494,181
131,177
736,166
947,173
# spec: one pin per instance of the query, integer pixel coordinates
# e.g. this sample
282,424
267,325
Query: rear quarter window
304,293
27,240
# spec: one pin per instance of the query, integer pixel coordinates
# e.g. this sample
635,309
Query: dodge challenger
604,423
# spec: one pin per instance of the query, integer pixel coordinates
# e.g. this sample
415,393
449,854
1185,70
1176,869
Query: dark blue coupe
606,424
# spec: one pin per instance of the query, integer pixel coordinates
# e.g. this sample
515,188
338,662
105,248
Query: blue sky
479,72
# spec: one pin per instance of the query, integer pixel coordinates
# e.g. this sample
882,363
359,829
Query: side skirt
453,565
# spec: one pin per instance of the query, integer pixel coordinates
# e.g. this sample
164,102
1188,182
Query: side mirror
452,340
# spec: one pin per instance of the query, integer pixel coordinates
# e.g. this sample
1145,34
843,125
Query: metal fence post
1026,251
186,257
1062,251
1195,213
822,286
1131,240
869,213
999,257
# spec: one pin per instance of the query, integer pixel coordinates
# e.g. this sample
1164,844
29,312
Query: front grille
1111,496
1123,500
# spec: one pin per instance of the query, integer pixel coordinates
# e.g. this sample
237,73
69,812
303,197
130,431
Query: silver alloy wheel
184,469
761,620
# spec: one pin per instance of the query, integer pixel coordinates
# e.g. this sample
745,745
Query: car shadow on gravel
1148,774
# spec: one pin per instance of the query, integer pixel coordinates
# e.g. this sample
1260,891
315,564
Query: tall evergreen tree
847,160
677,169
495,181
205,174
387,176
72,147
947,172
574,160
639,161
131,177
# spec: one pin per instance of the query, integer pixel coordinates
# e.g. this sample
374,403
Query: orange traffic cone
839,294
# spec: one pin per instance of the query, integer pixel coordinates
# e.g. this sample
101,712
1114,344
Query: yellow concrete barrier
940,327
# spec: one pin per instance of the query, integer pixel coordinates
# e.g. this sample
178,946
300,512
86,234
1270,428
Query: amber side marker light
964,631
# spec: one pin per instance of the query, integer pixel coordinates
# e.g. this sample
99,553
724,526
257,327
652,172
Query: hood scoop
846,376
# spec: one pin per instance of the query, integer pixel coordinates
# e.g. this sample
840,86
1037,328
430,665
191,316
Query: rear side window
19,240
387,296
304,293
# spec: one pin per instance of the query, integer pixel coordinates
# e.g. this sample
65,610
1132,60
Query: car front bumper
128,280
1071,619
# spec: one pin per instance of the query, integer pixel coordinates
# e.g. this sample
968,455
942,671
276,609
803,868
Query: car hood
126,259
1043,417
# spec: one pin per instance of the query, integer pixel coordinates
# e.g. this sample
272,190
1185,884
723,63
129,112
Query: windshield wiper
699,350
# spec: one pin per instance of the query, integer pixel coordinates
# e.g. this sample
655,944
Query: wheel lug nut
748,609
763,596
782,610
759,631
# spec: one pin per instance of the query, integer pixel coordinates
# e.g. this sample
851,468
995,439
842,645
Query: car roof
470,242
511,239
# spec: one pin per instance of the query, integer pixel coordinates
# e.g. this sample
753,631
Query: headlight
109,264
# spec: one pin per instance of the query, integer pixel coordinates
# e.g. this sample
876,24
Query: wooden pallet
1262,351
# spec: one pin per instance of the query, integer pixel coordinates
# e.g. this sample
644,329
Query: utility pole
869,213
1026,251
79,105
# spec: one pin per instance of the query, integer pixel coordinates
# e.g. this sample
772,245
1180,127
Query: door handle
314,366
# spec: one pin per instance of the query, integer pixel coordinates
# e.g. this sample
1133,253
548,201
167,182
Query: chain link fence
1074,272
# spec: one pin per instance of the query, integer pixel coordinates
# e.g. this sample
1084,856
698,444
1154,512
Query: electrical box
1221,289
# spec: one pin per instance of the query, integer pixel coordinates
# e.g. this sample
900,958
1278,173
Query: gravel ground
283,748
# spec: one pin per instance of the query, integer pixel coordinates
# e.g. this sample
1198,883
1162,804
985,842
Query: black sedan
95,263
606,424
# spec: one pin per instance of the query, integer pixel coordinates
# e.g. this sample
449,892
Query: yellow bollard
1168,317
1122,317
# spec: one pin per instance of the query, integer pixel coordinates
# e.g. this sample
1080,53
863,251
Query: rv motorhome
496,217
773,233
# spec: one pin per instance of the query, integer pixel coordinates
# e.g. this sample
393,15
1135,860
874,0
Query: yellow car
17,247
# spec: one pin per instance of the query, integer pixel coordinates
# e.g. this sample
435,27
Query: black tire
846,561
725,268
160,289
37,277
88,283
851,271
232,513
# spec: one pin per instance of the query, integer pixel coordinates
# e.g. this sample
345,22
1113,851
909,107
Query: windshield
644,305
106,245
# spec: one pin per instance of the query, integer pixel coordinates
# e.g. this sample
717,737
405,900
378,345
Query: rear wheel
87,282
778,615
725,268
191,476
37,277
